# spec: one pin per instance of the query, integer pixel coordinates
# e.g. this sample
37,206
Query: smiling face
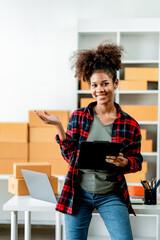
102,87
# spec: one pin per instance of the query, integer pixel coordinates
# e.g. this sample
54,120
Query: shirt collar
90,106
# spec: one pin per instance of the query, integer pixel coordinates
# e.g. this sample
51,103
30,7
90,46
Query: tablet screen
93,154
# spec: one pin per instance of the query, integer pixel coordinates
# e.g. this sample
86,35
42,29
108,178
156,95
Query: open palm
48,118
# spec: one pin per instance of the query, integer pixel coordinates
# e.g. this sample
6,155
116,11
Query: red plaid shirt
125,129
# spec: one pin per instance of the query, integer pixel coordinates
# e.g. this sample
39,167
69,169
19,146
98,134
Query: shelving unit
141,41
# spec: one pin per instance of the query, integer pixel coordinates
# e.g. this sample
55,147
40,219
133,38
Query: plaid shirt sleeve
68,146
134,156
127,130
132,149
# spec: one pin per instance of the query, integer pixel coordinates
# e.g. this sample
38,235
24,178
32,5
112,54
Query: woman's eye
93,85
104,84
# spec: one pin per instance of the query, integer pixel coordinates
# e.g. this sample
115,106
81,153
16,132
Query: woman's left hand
119,161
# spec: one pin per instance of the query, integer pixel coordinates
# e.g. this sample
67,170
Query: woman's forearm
60,131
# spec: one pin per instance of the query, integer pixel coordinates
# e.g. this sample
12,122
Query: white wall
36,39
118,9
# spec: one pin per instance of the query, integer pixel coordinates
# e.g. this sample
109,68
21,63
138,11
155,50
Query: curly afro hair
106,57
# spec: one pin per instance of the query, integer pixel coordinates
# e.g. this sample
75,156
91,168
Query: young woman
104,120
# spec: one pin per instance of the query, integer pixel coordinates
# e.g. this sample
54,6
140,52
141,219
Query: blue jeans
110,207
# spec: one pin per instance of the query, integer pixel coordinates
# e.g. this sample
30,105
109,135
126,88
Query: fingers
111,158
114,159
46,113
120,154
35,111
119,161
43,118
39,115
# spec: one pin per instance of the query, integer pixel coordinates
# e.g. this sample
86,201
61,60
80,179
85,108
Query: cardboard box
136,191
42,134
84,85
149,74
58,165
13,132
54,183
147,145
137,176
43,167
35,121
132,85
85,101
13,150
44,151
17,186
143,134
6,165
142,112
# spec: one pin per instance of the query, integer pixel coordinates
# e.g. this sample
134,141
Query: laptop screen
39,186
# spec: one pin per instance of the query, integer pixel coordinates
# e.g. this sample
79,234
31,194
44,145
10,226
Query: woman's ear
116,83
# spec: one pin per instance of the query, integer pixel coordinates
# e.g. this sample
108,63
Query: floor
37,232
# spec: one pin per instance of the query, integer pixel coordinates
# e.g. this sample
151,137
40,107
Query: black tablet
92,154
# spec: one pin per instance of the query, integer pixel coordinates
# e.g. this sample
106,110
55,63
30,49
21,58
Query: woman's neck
105,109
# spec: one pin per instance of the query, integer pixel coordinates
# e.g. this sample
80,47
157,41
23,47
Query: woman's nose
100,88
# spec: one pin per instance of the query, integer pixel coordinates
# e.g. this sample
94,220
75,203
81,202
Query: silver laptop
39,186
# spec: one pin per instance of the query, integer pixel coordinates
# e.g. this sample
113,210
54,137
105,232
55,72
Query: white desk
28,205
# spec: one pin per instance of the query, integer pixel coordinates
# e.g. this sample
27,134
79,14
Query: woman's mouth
101,96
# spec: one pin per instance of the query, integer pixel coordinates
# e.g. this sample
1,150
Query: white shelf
124,25
4,176
134,184
140,61
150,154
138,92
83,92
148,122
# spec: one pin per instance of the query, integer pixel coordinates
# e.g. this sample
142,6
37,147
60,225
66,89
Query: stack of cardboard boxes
13,145
16,183
42,144
40,152
138,176
84,85
138,78
141,112
135,78
146,146
85,101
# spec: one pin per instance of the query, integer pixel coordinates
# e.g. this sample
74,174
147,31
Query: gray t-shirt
100,181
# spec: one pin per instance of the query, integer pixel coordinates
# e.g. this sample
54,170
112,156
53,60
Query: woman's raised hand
53,120
48,118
